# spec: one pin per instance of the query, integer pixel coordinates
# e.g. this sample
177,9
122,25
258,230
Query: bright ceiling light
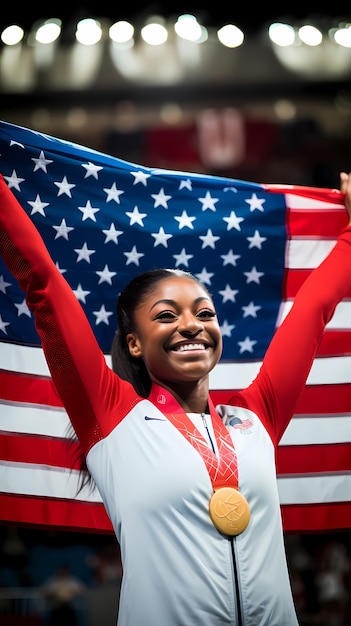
342,36
12,35
281,34
187,27
154,34
230,36
121,32
49,31
310,35
88,32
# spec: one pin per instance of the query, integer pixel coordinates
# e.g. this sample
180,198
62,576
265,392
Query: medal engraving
229,511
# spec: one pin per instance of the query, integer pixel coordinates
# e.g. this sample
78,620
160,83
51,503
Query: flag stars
246,345
106,275
182,258
253,276
256,203
136,217
38,206
209,240
205,277
102,316
140,177
230,258
161,199
233,221
92,170
251,310
226,329
185,184
88,211
14,181
256,241
228,294
84,253
113,193
3,325
64,187
22,309
41,162
112,234
208,202
161,238
62,230
184,220
3,284
133,256
80,293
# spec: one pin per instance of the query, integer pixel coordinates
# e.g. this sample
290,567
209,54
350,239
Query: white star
62,230
185,220
246,345
161,238
14,180
3,325
251,309
112,234
3,284
64,187
88,212
106,275
113,193
16,143
208,202
80,293
226,329
205,277
230,257
84,253
41,163
256,240
38,206
182,258
63,271
185,184
253,276
92,170
136,217
22,309
140,177
160,199
209,240
102,315
228,294
256,203
233,221
133,256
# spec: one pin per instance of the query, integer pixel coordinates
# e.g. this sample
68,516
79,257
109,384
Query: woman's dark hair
135,293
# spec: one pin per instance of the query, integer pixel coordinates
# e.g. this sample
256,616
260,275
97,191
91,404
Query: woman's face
178,334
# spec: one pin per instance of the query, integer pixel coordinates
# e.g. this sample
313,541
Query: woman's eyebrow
173,302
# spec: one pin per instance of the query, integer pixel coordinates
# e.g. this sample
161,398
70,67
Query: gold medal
229,511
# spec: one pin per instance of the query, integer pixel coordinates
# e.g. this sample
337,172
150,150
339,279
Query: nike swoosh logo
157,419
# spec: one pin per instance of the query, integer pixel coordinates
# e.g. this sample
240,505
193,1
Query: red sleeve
274,393
88,388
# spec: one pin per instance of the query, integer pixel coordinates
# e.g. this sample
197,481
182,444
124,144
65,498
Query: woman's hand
345,186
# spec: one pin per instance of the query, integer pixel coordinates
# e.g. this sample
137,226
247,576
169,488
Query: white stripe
341,319
42,481
316,489
307,253
34,420
317,430
329,370
296,202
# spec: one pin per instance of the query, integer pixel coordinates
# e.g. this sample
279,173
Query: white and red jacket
178,570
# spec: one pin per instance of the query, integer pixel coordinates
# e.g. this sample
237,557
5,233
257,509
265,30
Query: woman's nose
190,326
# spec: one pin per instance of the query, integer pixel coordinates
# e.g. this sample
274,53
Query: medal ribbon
223,470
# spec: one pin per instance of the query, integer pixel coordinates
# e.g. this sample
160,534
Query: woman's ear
133,345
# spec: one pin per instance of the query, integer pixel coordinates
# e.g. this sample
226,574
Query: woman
190,488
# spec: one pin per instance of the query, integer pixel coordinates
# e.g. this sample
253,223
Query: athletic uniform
178,569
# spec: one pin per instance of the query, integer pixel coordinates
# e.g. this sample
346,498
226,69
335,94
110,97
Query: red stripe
40,450
317,223
315,518
293,280
16,387
313,458
335,342
60,514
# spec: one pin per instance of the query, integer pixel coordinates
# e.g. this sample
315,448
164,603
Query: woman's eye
207,313
165,315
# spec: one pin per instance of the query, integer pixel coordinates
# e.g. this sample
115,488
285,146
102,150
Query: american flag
104,220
